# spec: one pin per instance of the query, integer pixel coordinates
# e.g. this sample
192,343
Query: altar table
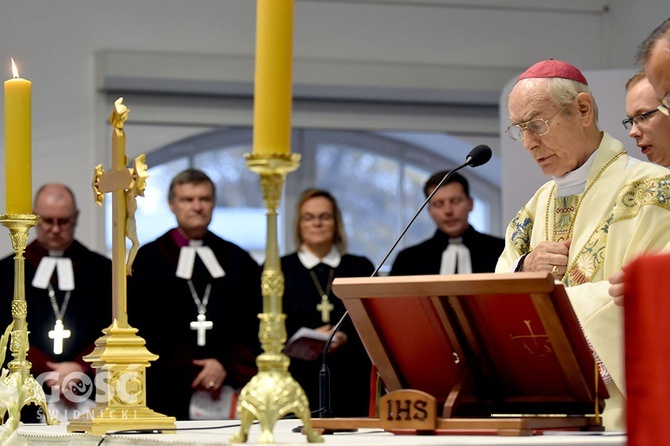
42,435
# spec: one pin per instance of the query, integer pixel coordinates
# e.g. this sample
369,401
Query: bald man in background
68,292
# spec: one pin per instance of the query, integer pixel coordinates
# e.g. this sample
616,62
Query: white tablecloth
39,434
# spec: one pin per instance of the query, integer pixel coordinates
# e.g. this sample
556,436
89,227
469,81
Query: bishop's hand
548,256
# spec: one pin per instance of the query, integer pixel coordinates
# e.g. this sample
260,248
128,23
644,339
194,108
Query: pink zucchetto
554,68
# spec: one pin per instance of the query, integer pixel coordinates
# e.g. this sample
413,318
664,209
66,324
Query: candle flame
15,71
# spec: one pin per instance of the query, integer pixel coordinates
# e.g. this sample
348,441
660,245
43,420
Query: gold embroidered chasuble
624,211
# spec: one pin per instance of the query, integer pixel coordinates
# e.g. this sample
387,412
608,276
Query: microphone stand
476,157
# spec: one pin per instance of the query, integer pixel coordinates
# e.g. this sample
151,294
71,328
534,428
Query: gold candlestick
273,392
29,390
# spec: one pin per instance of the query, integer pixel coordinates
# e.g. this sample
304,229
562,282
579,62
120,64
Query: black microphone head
479,155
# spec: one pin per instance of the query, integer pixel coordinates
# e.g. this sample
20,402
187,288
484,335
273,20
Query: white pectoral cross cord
58,334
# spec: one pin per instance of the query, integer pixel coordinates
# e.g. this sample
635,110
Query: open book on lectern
482,344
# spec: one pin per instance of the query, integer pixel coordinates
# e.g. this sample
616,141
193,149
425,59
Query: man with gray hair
195,298
591,217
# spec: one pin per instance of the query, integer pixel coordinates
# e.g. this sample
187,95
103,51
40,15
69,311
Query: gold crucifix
124,184
120,355
325,307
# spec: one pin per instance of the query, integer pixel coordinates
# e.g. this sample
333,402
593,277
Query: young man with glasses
654,55
645,123
600,209
68,292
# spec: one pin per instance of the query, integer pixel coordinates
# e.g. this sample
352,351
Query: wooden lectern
501,353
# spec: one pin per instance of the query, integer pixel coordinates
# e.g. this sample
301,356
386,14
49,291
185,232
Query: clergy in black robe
88,309
456,247
426,257
77,292
162,307
349,365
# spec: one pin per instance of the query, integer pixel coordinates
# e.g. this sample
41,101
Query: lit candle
18,176
272,85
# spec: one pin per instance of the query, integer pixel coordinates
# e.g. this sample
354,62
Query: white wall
55,44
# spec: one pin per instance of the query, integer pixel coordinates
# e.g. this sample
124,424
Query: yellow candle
272,87
18,175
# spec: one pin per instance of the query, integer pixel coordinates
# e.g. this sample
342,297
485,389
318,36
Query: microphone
479,155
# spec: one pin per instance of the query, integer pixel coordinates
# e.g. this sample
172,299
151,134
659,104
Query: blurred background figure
456,247
66,283
195,298
309,302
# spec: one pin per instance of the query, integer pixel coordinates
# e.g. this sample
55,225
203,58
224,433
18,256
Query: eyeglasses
49,222
665,105
308,218
639,119
537,126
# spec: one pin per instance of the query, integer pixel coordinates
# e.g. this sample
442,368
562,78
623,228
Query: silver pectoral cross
58,334
201,325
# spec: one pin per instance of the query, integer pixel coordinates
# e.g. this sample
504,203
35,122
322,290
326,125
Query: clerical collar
573,183
309,260
187,260
45,270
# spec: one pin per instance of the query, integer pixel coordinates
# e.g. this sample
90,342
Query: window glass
377,181
366,188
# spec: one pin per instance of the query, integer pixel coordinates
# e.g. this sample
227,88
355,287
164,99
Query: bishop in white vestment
600,210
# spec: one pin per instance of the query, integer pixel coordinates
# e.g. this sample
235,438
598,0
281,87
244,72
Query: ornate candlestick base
121,359
273,392
30,391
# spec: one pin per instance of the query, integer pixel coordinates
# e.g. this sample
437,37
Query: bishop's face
565,146
193,204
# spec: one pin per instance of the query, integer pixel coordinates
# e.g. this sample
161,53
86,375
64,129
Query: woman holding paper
310,303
